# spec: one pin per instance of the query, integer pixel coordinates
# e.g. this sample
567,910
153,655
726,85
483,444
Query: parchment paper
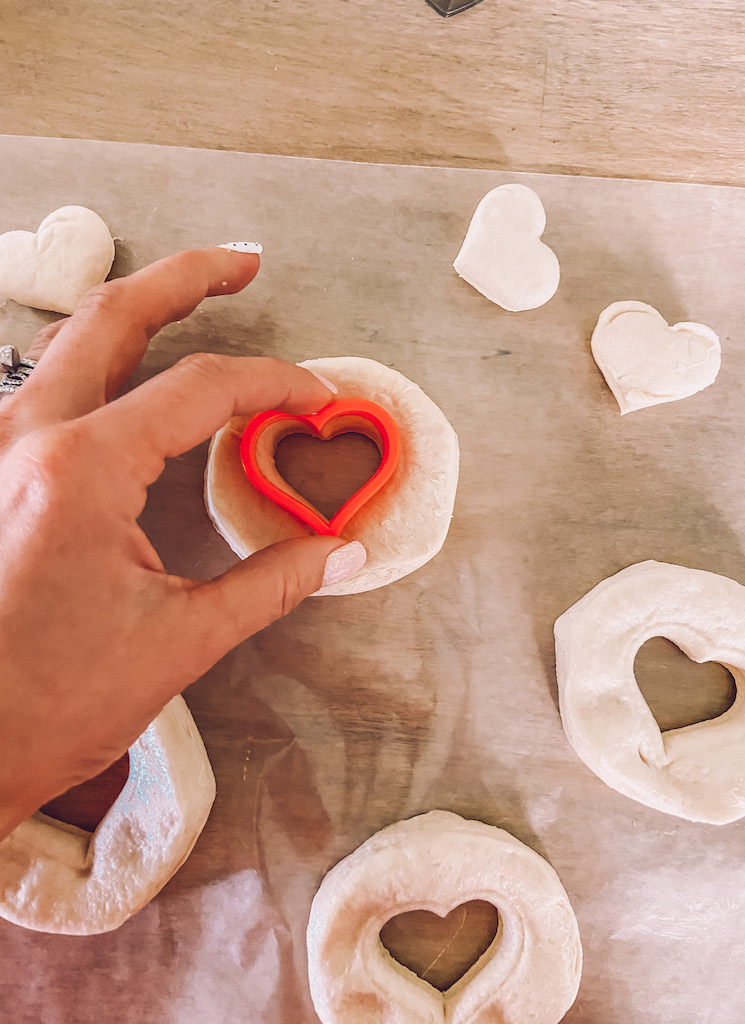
439,690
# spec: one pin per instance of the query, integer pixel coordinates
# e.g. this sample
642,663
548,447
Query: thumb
266,586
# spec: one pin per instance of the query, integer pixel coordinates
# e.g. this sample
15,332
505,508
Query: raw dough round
401,527
53,269
502,255
646,362
436,862
58,878
697,772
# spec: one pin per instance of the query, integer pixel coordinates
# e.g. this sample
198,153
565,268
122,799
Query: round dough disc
401,527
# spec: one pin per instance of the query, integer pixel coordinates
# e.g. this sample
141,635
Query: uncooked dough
436,862
401,527
503,256
646,362
53,269
58,878
697,772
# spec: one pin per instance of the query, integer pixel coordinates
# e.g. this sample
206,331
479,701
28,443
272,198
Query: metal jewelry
13,369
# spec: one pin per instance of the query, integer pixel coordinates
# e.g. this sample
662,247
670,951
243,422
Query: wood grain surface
629,88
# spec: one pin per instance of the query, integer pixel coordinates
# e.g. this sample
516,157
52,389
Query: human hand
96,636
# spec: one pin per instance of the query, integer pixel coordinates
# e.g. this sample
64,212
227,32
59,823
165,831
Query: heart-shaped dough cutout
503,256
52,269
646,362
355,415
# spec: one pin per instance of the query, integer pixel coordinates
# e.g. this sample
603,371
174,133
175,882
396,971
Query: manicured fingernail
343,563
332,387
254,247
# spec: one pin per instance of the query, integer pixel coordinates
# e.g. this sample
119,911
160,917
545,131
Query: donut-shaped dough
436,862
401,527
58,878
697,772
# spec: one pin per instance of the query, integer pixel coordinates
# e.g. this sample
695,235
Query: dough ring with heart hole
696,772
436,862
403,526
58,878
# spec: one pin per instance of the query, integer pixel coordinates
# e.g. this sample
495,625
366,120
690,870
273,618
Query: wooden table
632,88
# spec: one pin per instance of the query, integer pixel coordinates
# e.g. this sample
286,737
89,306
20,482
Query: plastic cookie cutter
345,416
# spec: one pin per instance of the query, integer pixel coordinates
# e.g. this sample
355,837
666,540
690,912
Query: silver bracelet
13,370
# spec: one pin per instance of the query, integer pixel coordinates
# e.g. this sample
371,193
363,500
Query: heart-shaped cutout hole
86,805
327,473
678,691
264,432
441,950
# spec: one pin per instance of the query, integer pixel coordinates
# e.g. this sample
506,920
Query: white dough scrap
58,878
646,362
696,772
53,268
401,527
436,862
503,256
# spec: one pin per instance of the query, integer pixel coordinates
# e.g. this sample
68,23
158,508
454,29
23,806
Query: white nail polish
254,247
332,387
343,563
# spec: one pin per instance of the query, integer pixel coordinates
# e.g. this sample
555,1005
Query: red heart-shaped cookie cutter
348,415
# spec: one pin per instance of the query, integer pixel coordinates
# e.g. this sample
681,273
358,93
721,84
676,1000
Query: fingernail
332,387
343,563
254,247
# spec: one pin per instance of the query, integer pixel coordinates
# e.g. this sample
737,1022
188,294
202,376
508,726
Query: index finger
103,341
189,402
